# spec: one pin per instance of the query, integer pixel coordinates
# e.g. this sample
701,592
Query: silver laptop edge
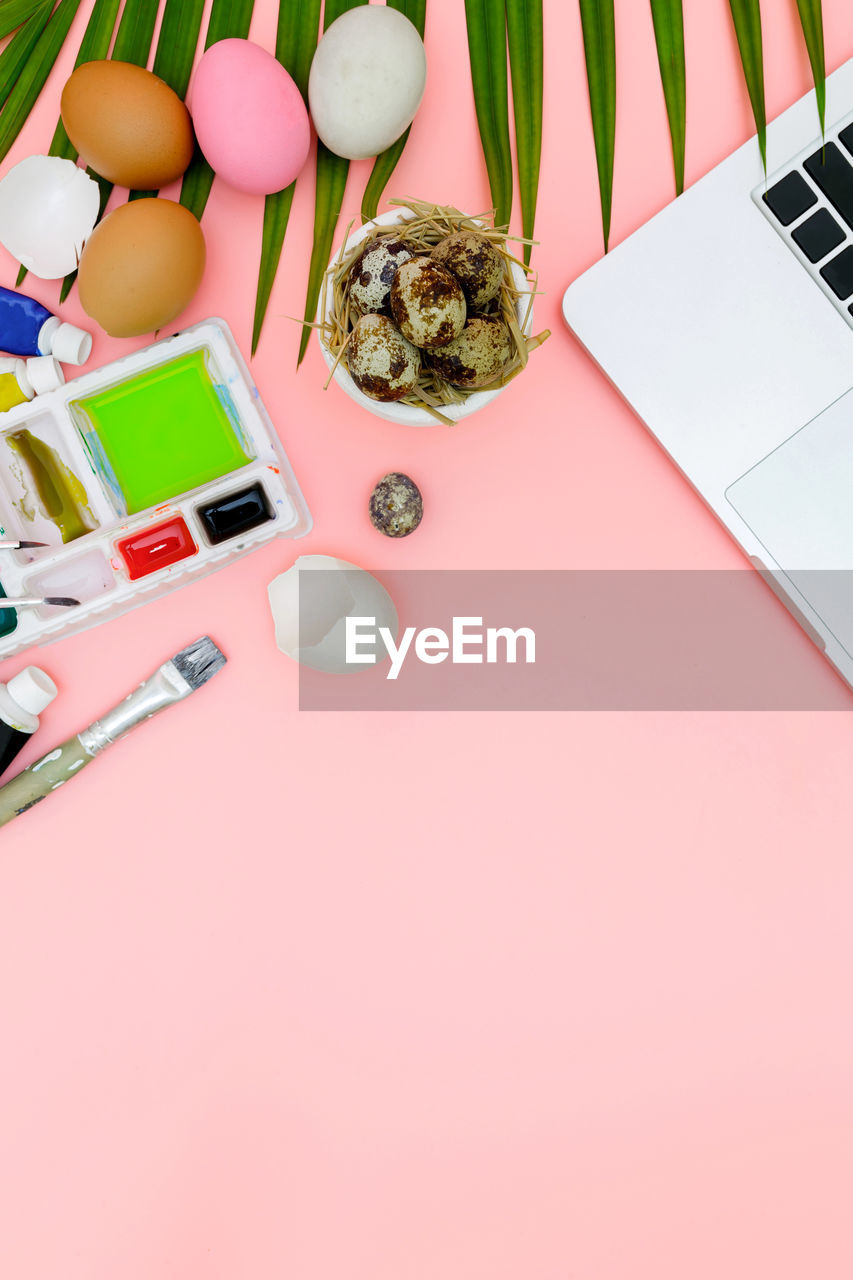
726,343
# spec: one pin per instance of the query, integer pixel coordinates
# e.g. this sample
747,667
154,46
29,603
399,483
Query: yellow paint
10,393
61,496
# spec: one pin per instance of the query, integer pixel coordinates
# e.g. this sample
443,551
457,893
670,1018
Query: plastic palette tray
110,437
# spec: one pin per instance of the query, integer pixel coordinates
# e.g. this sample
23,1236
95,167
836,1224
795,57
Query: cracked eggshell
48,209
337,590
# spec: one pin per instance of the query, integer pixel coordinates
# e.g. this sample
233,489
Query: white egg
367,80
48,209
331,591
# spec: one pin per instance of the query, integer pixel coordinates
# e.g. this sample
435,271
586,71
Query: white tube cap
70,344
32,689
19,369
44,374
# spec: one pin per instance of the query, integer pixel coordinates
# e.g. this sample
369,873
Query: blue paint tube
29,329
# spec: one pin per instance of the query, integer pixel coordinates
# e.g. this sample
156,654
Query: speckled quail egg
381,362
396,506
428,303
478,356
476,264
373,272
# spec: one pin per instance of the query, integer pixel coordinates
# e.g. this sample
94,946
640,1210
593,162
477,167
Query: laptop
726,322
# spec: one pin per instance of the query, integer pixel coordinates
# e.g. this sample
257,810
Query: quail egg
381,362
373,272
478,356
428,303
476,264
396,506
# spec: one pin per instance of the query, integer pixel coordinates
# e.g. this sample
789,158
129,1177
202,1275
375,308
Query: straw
429,225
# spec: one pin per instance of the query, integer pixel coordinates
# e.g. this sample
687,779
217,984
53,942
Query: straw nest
429,225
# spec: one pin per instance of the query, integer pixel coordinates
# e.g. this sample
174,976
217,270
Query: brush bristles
199,662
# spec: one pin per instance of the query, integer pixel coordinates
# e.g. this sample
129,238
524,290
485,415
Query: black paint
11,742
235,513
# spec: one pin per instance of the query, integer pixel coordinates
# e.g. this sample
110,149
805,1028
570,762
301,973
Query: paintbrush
26,602
175,680
12,544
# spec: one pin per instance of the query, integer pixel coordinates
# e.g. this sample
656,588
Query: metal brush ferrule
163,689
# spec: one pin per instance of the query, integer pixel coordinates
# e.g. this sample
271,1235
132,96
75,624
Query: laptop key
833,174
838,273
818,235
789,198
846,136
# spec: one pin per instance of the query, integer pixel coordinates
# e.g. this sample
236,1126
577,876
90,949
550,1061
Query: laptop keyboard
812,208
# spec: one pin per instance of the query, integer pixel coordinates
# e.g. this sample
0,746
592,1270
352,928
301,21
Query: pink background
478,997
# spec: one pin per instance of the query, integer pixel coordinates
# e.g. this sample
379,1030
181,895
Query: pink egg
249,117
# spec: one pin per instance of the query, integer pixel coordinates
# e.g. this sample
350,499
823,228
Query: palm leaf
17,51
13,13
135,31
386,163
228,18
176,48
295,44
132,44
94,46
599,43
811,17
486,20
31,80
747,19
177,43
332,173
13,59
668,18
526,57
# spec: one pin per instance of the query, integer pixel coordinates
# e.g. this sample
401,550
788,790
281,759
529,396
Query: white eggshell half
319,641
48,209
367,81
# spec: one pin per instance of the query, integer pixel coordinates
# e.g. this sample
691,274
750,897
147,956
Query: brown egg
141,267
127,124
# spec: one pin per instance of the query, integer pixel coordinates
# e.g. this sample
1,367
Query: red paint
156,548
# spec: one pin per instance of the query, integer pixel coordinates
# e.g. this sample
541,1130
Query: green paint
8,618
162,433
61,496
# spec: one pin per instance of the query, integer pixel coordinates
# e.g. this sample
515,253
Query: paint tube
29,329
21,700
20,380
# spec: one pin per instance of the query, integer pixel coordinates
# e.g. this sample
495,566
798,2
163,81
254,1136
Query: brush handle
36,782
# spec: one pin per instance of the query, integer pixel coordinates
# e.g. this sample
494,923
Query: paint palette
140,477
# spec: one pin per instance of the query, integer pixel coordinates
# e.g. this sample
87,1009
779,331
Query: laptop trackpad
798,501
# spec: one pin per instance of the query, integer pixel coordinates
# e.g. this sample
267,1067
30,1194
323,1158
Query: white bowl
395,411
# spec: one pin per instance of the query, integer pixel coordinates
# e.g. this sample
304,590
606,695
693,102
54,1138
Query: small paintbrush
175,680
12,544
27,602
